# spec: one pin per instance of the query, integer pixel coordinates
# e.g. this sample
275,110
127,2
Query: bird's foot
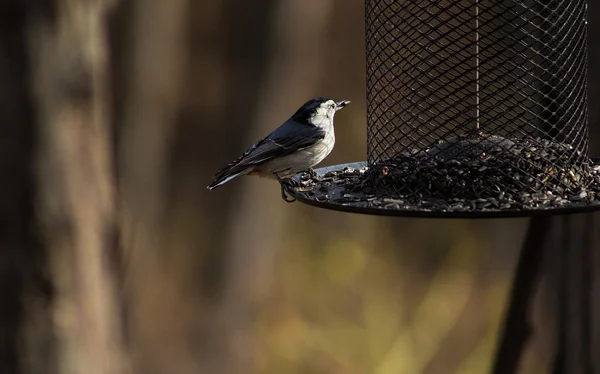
313,174
285,196
289,183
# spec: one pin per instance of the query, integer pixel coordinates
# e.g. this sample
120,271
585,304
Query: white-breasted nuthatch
297,145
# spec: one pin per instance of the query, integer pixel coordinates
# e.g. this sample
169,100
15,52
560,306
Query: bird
300,143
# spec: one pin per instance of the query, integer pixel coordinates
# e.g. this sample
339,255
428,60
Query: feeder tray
474,109
341,187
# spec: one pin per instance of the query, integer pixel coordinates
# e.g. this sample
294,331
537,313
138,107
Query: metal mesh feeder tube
474,108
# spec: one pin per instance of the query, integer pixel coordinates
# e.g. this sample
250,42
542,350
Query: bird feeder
475,108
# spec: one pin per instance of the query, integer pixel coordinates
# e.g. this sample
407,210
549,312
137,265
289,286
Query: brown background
115,258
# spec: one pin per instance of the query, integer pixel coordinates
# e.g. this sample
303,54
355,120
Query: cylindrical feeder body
493,89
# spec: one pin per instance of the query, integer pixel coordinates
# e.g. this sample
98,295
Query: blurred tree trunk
26,336
575,294
76,179
150,69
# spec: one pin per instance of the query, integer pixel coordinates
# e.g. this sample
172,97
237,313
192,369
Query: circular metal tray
335,197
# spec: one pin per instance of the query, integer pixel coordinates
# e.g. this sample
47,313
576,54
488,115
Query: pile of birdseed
466,174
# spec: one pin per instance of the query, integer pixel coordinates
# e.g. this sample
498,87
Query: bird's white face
323,116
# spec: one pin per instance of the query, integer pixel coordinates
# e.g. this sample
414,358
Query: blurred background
116,259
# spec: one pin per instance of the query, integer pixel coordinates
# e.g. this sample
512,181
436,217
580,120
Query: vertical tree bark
152,60
76,182
575,293
26,336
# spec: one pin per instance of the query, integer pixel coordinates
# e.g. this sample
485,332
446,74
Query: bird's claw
312,173
293,183
285,196
283,183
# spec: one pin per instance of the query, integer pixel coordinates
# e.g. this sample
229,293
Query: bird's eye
331,106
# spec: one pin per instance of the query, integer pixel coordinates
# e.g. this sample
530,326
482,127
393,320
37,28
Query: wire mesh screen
477,98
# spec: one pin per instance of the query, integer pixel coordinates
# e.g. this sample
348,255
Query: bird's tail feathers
227,174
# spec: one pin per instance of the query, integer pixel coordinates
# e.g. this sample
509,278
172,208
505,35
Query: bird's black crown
308,108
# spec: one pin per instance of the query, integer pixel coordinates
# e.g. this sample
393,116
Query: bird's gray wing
286,139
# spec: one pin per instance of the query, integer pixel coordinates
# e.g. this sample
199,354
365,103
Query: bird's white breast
322,148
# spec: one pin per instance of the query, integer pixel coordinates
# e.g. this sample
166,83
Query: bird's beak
341,104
